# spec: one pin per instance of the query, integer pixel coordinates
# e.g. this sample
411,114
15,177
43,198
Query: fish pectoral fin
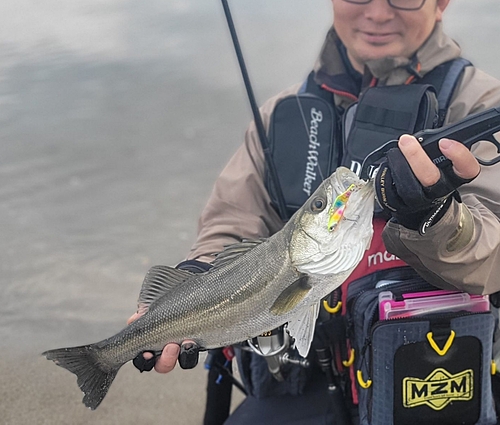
233,251
291,296
158,281
302,327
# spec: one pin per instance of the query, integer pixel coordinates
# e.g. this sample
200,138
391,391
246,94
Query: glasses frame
361,2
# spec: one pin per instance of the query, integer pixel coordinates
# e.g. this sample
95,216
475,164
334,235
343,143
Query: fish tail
93,376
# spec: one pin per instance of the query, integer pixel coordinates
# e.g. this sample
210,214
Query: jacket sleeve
462,250
239,205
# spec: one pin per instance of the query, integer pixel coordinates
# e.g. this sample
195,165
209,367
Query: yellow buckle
350,361
332,310
446,347
363,384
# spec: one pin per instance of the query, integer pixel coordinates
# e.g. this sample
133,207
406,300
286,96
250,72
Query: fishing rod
256,114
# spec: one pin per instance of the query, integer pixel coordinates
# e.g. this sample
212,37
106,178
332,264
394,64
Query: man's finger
166,362
422,166
465,165
133,318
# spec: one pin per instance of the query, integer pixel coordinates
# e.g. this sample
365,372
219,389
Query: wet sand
114,121
33,392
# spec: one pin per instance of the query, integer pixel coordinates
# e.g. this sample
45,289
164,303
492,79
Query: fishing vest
309,137
383,378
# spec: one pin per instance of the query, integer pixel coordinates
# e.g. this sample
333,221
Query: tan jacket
467,258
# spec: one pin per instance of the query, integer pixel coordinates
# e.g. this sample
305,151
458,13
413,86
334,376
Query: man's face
377,30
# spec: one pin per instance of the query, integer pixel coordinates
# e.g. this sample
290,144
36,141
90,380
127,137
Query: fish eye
318,205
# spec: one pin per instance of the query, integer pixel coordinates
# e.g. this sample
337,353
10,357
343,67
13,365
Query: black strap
445,79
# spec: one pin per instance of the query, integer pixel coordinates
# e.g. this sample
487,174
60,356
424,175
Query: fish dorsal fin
233,251
291,296
158,281
301,328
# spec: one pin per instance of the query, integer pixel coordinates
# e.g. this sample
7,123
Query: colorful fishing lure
338,208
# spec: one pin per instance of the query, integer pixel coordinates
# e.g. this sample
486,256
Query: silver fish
254,286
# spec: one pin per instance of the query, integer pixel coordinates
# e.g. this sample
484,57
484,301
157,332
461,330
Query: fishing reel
276,349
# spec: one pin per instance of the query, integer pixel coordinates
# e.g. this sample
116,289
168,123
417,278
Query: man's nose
379,11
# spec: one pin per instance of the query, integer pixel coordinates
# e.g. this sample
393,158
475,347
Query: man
374,43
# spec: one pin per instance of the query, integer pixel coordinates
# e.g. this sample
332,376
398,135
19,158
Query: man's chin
377,52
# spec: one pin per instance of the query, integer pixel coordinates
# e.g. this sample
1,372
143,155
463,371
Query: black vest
309,137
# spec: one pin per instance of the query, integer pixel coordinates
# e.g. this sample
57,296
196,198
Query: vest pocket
430,370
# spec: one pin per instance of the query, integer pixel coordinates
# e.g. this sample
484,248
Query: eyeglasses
396,4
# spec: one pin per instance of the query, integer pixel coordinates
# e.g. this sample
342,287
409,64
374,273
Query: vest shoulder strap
445,78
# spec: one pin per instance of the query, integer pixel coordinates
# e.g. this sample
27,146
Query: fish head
333,229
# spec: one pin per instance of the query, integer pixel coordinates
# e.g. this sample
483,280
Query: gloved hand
164,361
187,354
416,192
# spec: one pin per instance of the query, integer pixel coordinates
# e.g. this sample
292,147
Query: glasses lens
407,4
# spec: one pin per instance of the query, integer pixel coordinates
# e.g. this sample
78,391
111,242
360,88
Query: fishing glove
188,358
189,354
143,364
412,205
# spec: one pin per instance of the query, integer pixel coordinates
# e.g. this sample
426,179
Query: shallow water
115,118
